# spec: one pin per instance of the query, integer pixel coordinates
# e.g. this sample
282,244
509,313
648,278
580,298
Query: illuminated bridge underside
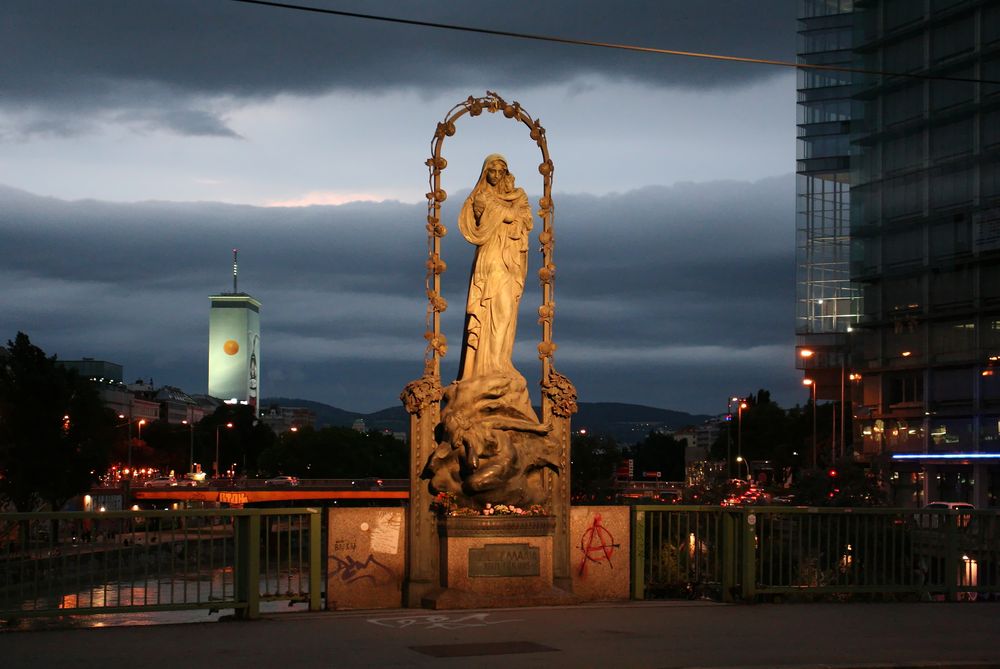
259,496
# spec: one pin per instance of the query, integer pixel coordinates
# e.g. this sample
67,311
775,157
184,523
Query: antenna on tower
235,270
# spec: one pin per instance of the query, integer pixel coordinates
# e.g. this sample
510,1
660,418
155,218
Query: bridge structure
243,492
105,561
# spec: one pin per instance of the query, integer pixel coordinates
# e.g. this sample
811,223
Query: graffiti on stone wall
345,545
597,545
439,621
350,570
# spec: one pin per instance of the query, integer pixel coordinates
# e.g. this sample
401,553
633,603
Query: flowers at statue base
510,510
445,504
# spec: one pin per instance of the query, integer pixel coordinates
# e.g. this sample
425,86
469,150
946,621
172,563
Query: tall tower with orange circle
234,346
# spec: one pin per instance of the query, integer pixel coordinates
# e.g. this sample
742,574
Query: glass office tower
925,235
827,302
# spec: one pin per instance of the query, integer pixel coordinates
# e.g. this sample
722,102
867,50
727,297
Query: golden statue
496,218
491,447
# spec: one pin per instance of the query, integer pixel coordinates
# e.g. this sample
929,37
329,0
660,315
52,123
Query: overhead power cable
610,45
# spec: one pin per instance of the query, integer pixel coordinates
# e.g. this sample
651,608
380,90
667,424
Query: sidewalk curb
878,665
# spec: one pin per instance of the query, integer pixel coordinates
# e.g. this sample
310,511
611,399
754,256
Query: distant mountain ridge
626,423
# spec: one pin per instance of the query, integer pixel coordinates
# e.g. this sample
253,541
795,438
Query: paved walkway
639,634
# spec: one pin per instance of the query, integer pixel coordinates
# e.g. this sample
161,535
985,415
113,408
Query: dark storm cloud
64,57
152,244
188,122
659,288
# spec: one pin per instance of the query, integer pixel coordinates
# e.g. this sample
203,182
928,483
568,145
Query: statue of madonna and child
491,446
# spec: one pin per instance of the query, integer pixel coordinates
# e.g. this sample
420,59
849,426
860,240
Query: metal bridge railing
109,562
686,552
730,553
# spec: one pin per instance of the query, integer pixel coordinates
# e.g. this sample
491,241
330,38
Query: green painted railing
729,553
110,562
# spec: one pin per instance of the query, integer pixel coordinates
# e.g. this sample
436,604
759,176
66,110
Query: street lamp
128,423
741,404
729,438
142,421
216,464
739,458
806,354
191,431
739,429
812,385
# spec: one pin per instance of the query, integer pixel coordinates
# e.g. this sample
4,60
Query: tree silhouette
55,434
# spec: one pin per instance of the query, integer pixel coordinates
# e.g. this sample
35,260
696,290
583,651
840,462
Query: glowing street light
812,385
128,424
216,463
190,425
739,458
729,435
142,421
739,430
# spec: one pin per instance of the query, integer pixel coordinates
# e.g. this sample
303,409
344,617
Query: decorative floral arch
558,390
436,344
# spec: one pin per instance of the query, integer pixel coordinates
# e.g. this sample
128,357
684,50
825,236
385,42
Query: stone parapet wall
366,551
600,552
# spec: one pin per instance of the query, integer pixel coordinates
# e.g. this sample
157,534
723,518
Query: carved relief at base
491,447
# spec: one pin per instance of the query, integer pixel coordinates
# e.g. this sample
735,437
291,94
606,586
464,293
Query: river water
204,590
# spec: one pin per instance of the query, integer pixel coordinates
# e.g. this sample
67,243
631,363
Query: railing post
247,577
728,547
951,556
315,561
638,554
748,534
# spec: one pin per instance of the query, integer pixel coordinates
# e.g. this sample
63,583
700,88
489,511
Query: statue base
496,561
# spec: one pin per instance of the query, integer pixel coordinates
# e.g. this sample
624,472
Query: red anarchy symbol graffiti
597,545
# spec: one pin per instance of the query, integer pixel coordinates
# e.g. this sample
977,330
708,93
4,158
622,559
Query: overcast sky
141,140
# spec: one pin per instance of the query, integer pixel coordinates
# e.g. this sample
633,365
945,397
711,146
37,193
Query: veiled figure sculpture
491,445
496,218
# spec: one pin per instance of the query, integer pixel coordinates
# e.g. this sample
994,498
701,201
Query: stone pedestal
494,561
422,540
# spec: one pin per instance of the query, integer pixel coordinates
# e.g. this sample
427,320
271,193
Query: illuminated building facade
827,302
100,371
234,347
925,223
924,239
